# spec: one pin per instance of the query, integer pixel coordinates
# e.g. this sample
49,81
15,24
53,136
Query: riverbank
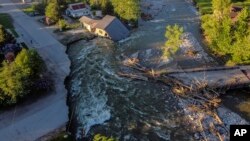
102,102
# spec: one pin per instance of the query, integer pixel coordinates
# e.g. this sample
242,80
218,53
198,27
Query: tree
106,7
241,25
128,10
17,78
173,35
52,11
94,3
62,24
5,37
221,8
228,38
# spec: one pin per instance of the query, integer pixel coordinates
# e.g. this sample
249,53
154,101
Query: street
29,122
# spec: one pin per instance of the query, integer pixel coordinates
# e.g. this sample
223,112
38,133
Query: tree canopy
128,10
5,37
52,10
221,8
18,78
227,37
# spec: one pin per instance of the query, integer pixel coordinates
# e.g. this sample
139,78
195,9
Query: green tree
106,7
223,40
173,35
128,10
62,24
5,37
241,25
52,11
18,77
228,38
221,8
94,3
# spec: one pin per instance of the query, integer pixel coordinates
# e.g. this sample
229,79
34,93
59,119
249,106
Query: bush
62,24
99,137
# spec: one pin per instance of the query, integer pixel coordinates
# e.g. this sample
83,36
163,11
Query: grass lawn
205,6
6,21
28,10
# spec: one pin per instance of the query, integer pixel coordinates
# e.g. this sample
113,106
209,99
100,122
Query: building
109,26
77,10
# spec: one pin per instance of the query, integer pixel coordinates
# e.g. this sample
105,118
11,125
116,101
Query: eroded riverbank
102,102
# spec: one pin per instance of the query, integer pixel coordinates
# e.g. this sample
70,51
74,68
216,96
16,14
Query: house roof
102,24
112,25
77,6
87,20
117,30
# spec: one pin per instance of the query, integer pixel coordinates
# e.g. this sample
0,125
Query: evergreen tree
221,8
106,7
128,10
241,24
173,35
17,78
52,10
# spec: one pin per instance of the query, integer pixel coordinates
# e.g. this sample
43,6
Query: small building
109,26
77,10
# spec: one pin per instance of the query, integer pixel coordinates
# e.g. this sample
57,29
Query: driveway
29,122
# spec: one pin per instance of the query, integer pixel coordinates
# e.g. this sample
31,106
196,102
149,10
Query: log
133,76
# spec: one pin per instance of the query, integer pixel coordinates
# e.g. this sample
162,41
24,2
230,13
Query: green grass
28,10
6,21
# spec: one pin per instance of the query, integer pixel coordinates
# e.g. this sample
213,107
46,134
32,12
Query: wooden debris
199,97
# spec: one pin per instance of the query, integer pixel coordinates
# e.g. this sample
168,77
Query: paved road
29,122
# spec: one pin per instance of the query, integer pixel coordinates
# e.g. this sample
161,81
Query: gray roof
117,30
112,25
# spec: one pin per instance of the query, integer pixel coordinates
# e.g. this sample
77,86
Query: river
102,102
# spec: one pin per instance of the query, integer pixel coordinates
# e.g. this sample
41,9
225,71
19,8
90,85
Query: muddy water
102,102
238,101
108,104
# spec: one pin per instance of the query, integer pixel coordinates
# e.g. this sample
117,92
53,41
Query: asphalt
30,122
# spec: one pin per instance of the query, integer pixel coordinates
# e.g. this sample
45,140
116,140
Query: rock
148,52
197,136
135,55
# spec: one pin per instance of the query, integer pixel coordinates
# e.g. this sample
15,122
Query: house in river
109,26
77,10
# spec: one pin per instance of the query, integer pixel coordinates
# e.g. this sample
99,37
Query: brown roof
102,24
87,20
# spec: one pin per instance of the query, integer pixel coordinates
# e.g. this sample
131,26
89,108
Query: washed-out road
31,121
